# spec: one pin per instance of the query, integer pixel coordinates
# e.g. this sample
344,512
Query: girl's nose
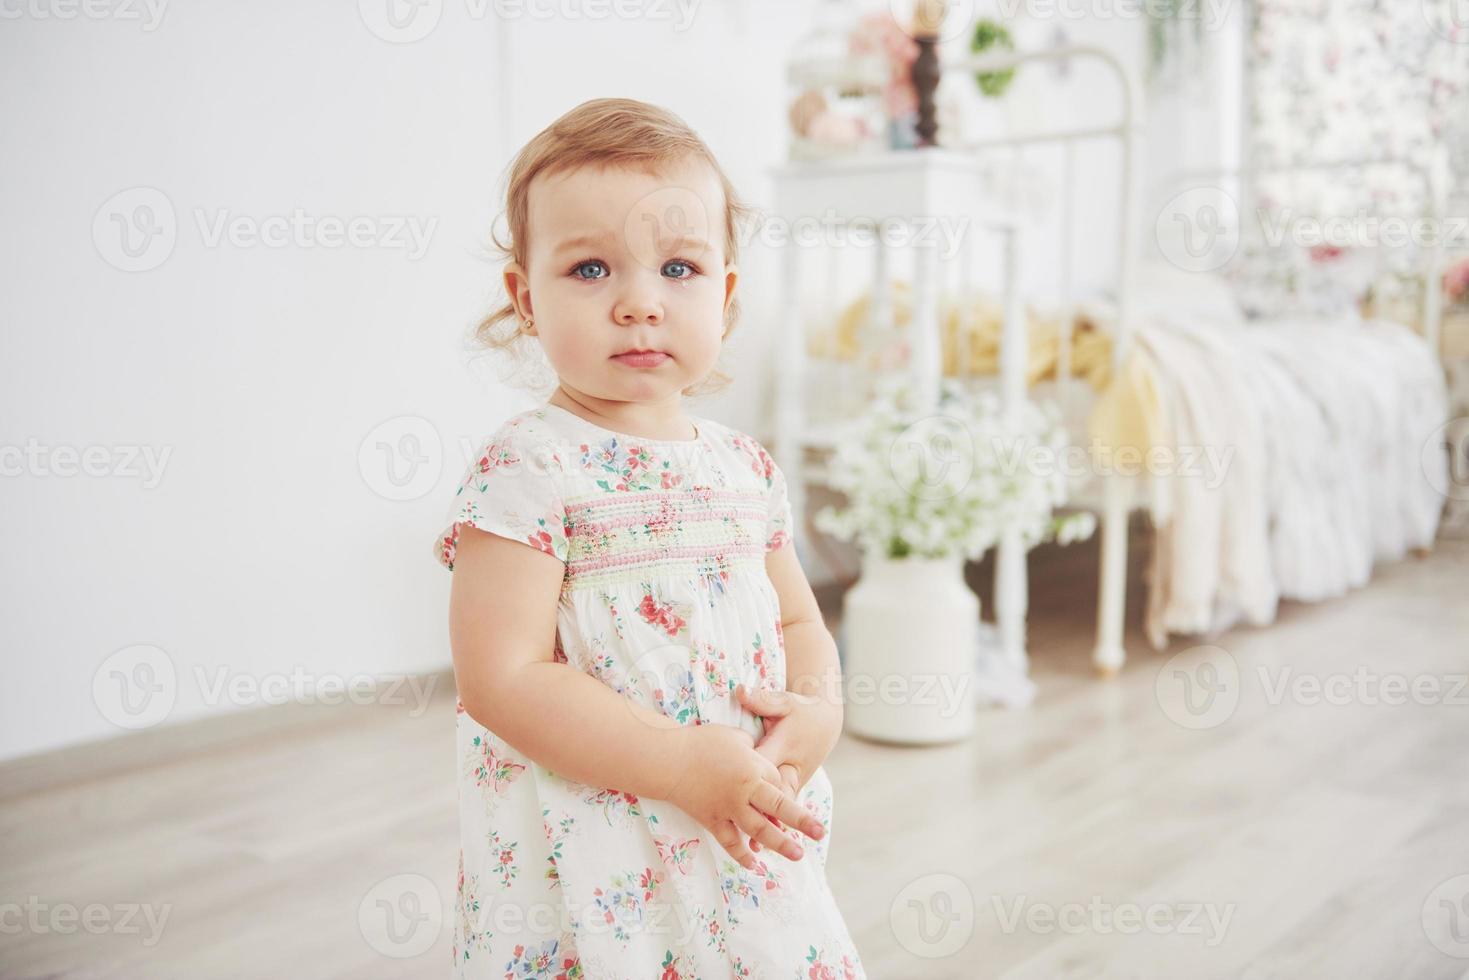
638,303
639,311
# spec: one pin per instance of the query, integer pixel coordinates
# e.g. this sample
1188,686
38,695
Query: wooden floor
1095,835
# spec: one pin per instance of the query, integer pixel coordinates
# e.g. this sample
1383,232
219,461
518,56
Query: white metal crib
911,187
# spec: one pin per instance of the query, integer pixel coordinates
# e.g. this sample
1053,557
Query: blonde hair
602,133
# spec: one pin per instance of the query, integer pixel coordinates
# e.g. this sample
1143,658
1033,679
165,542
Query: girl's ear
731,276
517,287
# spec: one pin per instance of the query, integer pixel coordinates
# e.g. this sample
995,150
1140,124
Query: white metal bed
909,186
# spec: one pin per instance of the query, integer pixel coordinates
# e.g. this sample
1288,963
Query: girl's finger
776,802
792,778
754,823
733,841
764,701
755,844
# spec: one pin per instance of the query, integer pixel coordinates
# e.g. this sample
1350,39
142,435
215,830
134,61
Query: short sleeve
510,489
778,527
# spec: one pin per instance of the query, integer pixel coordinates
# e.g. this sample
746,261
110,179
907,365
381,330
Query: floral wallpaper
1334,80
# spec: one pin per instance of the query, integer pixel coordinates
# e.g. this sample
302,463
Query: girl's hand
733,792
801,736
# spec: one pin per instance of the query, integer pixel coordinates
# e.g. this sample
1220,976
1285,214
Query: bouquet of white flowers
949,480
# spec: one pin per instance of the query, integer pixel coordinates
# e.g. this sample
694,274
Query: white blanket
1325,426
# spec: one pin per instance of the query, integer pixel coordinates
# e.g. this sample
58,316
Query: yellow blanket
1125,414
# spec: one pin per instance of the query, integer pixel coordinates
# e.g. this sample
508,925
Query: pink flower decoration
878,33
1456,281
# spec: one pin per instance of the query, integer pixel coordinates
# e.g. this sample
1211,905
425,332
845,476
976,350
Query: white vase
910,629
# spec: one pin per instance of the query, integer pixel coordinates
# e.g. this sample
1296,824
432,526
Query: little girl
646,687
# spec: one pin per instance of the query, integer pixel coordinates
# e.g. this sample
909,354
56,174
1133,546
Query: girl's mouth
641,358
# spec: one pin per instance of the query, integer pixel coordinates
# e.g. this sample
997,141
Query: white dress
666,600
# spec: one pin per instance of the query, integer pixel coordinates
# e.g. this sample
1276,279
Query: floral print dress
665,599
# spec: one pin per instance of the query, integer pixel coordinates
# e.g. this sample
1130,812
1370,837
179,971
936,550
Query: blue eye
594,263
680,262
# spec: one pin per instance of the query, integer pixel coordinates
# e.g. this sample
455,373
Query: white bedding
1327,422
1323,425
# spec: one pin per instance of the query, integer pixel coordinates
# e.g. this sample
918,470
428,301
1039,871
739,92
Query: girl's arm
502,628
502,625
812,666
806,718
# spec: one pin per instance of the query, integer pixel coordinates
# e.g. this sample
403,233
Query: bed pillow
1165,289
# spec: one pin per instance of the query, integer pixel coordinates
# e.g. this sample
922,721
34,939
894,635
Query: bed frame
908,185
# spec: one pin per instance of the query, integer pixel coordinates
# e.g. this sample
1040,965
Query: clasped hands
745,792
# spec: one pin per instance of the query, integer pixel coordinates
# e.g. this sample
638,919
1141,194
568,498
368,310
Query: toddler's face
622,261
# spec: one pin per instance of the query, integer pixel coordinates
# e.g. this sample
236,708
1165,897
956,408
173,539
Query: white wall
269,548
264,549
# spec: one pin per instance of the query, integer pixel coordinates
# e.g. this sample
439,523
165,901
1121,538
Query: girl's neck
662,421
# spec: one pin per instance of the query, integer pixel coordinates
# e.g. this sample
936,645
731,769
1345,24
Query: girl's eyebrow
582,241
679,243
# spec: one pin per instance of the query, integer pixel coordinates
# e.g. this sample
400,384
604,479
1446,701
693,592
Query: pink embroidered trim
632,500
581,565
583,529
